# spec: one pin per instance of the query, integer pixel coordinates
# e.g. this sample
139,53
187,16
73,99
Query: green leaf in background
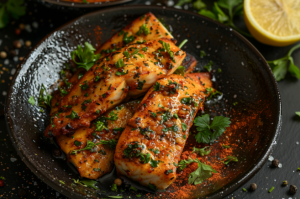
11,9
202,151
203,172
298,113
293,69
198,5
208,13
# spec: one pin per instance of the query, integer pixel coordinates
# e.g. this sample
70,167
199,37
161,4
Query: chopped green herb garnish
31,100
73,115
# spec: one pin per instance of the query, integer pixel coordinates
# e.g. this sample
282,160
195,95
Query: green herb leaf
89,146
133,188
99,126
198,5
184,127
298,113
31,100
73,115
120,63
87,57
208,14
44,98
202,54
143,30
180,70
184,163
152,186
114,187
203,172
205,135
202,151
245,190
182,43
272,188
118,73
126,39
141,84
229,159
154,163
90,183
208,66
111,143
156,86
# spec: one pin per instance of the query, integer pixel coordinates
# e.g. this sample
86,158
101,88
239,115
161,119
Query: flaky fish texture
98,160
152,142
129,72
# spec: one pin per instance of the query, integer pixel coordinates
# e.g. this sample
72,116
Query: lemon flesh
273,22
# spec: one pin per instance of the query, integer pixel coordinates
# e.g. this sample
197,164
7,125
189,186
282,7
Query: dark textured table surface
40,20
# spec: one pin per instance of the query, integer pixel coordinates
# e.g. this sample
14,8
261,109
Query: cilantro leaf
204,128
31,100
208,14
180,70
99,126
89,146
202,151
86,56
203,172
229,159
143,30
208,66
154,163
73,115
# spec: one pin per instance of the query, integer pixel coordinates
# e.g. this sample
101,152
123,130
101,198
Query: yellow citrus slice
273,22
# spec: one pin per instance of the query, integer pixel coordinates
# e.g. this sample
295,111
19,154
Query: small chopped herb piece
152,186
114,187
97,111
141,55
68,84
212,93
141,84
80,75
31,100
138,195
166,47
235,103
143,30
2,178
61,182
97,169
205,135
153,114
86,56
63,92
202,54
45,98
126,39
133,188
156,86
225,146
73,115
186,100
135,52
86,183
154,163
229,159
118,73
156,151
180,70
144,49
184,127
120,63
208,66
84,86
121,32
182,43
99,126
167,172
89,146
219,70
111,143
83,105
77,143
272,188
62,73
145,158
298,169
126,54
245,190
175,116
202,151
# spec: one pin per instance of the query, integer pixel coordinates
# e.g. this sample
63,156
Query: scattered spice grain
275,163
284,183
17,44
293,189
3,54
253,186
118,182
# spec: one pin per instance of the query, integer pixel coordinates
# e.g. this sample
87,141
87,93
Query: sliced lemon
273,22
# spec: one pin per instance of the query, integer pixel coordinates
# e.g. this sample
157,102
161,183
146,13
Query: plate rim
86,5
216,195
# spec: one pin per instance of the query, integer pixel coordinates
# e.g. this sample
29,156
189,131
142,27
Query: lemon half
273,22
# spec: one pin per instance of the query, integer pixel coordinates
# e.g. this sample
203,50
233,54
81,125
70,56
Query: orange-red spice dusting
98,32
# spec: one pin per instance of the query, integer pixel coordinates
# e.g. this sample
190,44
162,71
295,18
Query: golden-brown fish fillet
94,163
151,144
113,44
131,71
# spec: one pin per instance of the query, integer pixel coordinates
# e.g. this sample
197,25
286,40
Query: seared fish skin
151,144
129,72
95,163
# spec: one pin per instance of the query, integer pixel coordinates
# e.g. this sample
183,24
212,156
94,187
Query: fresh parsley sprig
280,66
210,132
202,151
86,183
86,56
11,9
203,172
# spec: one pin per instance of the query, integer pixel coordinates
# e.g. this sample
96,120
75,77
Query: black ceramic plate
86,5
251,97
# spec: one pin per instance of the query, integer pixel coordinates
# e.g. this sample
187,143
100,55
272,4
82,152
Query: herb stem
293,49
182,43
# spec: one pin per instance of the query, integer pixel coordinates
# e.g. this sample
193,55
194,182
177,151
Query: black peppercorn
56,152
253,186
293,189
21,192
275,163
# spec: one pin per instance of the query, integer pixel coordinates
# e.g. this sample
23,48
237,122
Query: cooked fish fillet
94,163
154,30
151,144
115,43
111,80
